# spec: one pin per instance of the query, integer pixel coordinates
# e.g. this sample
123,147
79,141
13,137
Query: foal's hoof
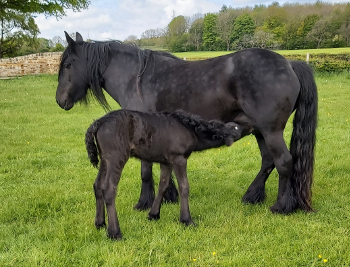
154,217
144,204
115,235
100,225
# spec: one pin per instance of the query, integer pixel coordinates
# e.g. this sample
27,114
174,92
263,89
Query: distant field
47,201
209,54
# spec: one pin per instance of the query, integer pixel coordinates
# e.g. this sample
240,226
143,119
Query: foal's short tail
90,143
304,135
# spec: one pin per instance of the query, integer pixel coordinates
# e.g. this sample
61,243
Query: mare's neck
120,77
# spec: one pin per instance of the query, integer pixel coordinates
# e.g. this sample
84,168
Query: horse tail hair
90,143
302,145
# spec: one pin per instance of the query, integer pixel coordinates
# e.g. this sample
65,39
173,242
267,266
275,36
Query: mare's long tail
303,139
90,143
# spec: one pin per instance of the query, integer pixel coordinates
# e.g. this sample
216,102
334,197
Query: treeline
290,26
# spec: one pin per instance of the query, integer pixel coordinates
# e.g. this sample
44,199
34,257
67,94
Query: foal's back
156,137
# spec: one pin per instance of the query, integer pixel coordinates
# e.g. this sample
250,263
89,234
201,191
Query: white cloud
117,19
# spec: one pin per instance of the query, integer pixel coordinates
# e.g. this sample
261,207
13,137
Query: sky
118,19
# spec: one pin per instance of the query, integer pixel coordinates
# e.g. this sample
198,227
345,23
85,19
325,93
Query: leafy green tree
243,25
225,24
17,19
196,33
175,41
210,35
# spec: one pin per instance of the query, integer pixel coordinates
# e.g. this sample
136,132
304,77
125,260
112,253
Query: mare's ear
78,37
69,39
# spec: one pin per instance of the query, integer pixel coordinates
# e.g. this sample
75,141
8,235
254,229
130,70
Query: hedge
320,62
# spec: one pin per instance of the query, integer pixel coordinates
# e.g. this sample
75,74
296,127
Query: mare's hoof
171,194
100,225
254,197
188,222
144,204
115,235
154,217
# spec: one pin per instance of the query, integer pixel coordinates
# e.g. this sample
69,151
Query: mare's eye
66,65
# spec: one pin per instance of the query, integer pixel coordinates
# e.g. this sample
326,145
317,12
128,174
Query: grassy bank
47,201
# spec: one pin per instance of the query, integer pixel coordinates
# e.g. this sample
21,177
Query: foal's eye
66,65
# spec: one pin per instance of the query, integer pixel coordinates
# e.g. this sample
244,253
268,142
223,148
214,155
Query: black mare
253,86
167,138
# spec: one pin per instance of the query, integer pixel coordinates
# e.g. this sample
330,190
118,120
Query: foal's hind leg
286,200
256,191
100,205
114,169
165,177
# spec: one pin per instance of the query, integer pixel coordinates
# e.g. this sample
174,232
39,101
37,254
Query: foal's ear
69,39
78,37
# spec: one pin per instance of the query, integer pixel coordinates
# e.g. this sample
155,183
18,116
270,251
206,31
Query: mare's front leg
165,177
256,191
180,165
147,187
100,205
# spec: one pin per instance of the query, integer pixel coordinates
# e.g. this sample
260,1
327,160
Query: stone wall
30,64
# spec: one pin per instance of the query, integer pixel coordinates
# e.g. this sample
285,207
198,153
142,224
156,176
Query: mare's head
80,71
72,76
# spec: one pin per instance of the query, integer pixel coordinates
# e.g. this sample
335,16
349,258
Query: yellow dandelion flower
214,253
325,260
194,259
320,256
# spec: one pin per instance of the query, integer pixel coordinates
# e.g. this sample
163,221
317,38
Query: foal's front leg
180,165
165,177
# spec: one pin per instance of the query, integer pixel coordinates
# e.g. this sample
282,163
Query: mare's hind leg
165,177
286,201
256,191
100,205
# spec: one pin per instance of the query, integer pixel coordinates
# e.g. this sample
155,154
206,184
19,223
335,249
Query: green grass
47,202
209,54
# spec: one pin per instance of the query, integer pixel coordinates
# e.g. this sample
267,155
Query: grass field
47,202
209,54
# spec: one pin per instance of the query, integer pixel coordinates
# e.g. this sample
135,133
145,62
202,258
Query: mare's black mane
97,55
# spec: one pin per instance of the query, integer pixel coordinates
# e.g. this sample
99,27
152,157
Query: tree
176,40
210,35
320,32
17,19
196,33
224,26
243,25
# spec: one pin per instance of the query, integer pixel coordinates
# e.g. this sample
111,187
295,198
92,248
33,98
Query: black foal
166,138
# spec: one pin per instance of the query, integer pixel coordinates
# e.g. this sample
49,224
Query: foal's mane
213,129
97,55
